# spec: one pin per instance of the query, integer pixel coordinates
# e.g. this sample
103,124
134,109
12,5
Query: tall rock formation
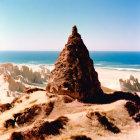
74,73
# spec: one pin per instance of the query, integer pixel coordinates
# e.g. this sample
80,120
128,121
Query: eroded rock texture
74,73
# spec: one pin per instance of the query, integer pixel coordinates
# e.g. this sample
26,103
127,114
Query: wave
121,69
33,62
97,64
105,65
134,65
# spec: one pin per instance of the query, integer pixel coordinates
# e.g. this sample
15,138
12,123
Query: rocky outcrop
42,130
23,117
130,85
29,114
133,110
4,107
80,137
103,120
74,73
31,90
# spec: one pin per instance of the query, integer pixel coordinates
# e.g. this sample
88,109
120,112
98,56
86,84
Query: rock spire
74,73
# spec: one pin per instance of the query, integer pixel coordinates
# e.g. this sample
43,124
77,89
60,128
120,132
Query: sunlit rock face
74,73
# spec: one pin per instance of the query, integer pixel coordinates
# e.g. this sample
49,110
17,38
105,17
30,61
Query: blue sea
126,61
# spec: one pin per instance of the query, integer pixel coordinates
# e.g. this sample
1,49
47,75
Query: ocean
126,61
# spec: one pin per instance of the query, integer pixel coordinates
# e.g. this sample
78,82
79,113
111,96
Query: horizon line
62,49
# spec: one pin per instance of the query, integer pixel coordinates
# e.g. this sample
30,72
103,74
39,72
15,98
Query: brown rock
4,107
103,120
16,136
133,110
9,123
41,131
74,73
49,108
28,115
31,90
80,137
67,99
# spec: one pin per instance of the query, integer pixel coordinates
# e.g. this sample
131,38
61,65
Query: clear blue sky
46,24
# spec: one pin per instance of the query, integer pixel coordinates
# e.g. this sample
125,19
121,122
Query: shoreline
96,66
119,69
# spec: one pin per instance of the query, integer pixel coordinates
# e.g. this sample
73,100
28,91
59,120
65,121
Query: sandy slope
78,114
36,98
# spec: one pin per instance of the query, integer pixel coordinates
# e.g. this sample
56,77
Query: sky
44,25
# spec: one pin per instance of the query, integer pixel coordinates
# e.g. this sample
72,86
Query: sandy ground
79,123
110,78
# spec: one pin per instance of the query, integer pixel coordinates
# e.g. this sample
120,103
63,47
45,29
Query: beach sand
110,78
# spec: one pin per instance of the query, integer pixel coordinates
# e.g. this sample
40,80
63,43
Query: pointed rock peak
74,30
74,35
74,72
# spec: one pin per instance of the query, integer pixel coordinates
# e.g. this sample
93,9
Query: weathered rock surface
74,73
43,130
31,90
133,110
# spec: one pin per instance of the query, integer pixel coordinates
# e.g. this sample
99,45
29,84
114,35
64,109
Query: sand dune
82,118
